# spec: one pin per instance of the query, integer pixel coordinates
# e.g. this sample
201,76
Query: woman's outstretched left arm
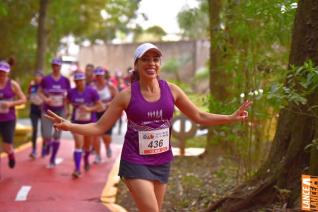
185,105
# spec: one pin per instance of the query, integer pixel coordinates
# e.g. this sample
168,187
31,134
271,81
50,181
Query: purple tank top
56,90
7,94
88,97
144,116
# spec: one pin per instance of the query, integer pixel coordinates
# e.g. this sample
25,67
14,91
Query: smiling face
56,68
80,84
148,65
99,78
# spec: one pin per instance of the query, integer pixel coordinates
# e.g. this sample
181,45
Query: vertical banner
309,193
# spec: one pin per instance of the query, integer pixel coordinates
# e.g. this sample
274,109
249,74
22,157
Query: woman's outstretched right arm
111,115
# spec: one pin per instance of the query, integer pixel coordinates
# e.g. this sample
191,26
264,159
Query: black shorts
108,132
7,129
148,172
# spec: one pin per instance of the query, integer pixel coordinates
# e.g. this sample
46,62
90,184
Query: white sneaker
98,159
76,174
51,165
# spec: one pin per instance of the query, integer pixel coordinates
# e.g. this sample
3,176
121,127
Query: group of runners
84,102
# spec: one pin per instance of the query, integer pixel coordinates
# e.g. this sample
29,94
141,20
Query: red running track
53,190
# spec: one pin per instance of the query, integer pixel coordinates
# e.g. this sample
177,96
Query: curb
108,197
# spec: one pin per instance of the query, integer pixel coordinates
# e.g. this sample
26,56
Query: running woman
149,105
11,95
89,74
106,92
35,109
53,91
85,102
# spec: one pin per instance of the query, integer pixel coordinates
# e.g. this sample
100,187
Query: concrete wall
120,56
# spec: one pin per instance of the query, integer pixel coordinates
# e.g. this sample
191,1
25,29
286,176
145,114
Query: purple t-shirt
56,90
7,94
147,123
88,97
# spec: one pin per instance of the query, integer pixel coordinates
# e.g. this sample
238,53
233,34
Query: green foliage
253,46
92,20
173,66
153,33
313,144
202,74
3,9
80,18
119,14
156,31
300,83
18,34
221,107
194,22
196,142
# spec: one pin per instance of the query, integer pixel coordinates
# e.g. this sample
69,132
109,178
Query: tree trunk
295,130
217,84
41,36
216,80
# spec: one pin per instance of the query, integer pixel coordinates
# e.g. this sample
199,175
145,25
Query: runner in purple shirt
53,90
11,95
85,102
149,104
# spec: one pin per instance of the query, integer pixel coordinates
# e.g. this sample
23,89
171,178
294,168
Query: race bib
57,100
36,99
153,142
81,115
3,108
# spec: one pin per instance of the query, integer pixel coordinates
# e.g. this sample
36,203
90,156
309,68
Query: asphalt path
32,186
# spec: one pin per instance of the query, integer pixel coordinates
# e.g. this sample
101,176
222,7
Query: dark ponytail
134,76
11,61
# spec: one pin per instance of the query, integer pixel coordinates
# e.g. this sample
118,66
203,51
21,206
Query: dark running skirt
137,171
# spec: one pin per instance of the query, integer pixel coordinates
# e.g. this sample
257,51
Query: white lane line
23,193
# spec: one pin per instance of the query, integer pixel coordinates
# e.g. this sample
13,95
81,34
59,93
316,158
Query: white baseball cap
143,48
4,66
79,75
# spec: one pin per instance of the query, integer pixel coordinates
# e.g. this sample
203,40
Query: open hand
58,121
241,114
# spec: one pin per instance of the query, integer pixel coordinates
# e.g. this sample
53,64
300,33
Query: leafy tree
249,41
153,33
194,22
18,33
294,149
19,22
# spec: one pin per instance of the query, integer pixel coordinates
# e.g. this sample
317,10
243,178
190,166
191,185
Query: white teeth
150,71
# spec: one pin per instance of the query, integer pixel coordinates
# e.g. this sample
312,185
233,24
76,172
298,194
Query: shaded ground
193,184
